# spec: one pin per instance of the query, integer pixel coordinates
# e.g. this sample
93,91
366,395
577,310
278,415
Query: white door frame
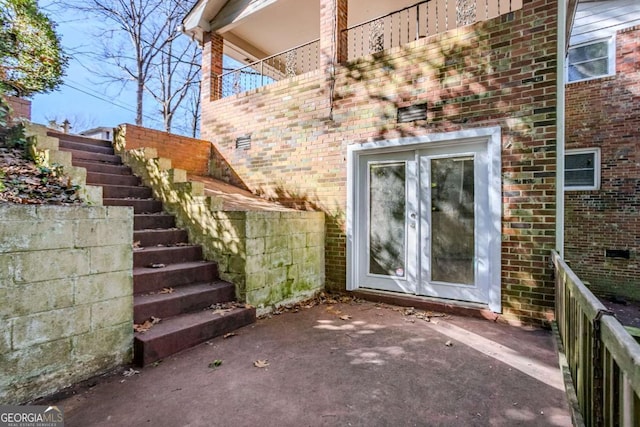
491,136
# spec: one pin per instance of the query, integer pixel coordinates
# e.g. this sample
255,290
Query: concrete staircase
171,280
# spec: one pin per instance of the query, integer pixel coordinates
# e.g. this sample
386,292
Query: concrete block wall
66,288
500,72
272,257
603,113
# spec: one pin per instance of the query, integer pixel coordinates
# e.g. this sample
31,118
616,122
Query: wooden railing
603,358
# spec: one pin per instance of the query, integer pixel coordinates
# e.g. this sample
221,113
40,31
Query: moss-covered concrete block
111,340
50,326
5,335
36,297
35,235
99,233
111,258
105,286
111,312
50,264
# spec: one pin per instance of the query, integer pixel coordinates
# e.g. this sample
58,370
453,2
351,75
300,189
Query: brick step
125,192
154,279
148,255
97,178
96,167
153,221
82,146
183,299
168,236
79,138
139,205
181,332
111,159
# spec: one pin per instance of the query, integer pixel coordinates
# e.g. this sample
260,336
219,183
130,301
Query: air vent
243,142
412,113
617,253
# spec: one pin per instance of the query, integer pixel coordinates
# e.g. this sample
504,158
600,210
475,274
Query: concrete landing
345,364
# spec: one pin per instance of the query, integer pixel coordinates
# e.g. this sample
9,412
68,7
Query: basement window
591,60
582,169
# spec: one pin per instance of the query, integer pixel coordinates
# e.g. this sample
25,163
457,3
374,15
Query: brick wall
21,107
185,153
498,72
604,113
66,289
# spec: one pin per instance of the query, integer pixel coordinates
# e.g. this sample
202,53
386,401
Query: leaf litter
148,324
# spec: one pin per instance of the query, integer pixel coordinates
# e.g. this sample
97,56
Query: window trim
611,56
596,169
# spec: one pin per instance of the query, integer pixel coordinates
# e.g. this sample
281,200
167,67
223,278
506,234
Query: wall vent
617,253
243,142
412,113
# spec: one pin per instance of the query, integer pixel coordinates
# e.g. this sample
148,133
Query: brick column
211,66
333,39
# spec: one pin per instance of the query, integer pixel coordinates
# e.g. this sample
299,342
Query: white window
582,169
591,60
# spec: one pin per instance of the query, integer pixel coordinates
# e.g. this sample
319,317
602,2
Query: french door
424,223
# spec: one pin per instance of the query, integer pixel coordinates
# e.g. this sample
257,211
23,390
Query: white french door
425,223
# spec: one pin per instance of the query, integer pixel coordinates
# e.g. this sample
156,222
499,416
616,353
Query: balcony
256,37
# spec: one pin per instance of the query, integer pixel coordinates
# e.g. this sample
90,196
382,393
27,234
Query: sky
83,99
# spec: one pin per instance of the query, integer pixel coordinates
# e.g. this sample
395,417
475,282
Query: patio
349,363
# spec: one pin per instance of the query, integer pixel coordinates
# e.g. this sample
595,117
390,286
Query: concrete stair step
94,157
125,192
139,205
97,178
83,146
153,221
183,299
79,138
166,237
98,167
148,255
181,332
172,275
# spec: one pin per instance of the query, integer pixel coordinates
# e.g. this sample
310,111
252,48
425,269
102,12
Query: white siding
599,19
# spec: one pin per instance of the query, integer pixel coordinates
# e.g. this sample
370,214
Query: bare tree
178,67
141,39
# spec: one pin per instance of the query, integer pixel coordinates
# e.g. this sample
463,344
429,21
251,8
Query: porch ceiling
254,29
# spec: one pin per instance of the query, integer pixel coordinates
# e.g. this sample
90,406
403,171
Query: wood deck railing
603,357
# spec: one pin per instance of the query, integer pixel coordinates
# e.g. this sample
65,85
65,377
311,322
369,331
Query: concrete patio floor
345,364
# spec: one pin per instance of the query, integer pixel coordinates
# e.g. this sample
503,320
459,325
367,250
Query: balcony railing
603,358
421,20
394,29
290,63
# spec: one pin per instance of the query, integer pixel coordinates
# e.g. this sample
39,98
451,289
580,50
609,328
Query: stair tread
181,322
168,248
180,292
82,146
137,271
78,138
111,159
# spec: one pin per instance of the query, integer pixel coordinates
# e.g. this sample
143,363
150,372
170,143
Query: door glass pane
387,219
452,220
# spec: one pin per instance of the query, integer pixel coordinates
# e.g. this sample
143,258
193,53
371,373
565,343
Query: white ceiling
285,24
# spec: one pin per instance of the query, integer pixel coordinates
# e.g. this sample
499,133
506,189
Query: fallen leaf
261,363
130,372
136,245
448,343
222,311
157,265
345,317
148,324
167,291
215,364
229,335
